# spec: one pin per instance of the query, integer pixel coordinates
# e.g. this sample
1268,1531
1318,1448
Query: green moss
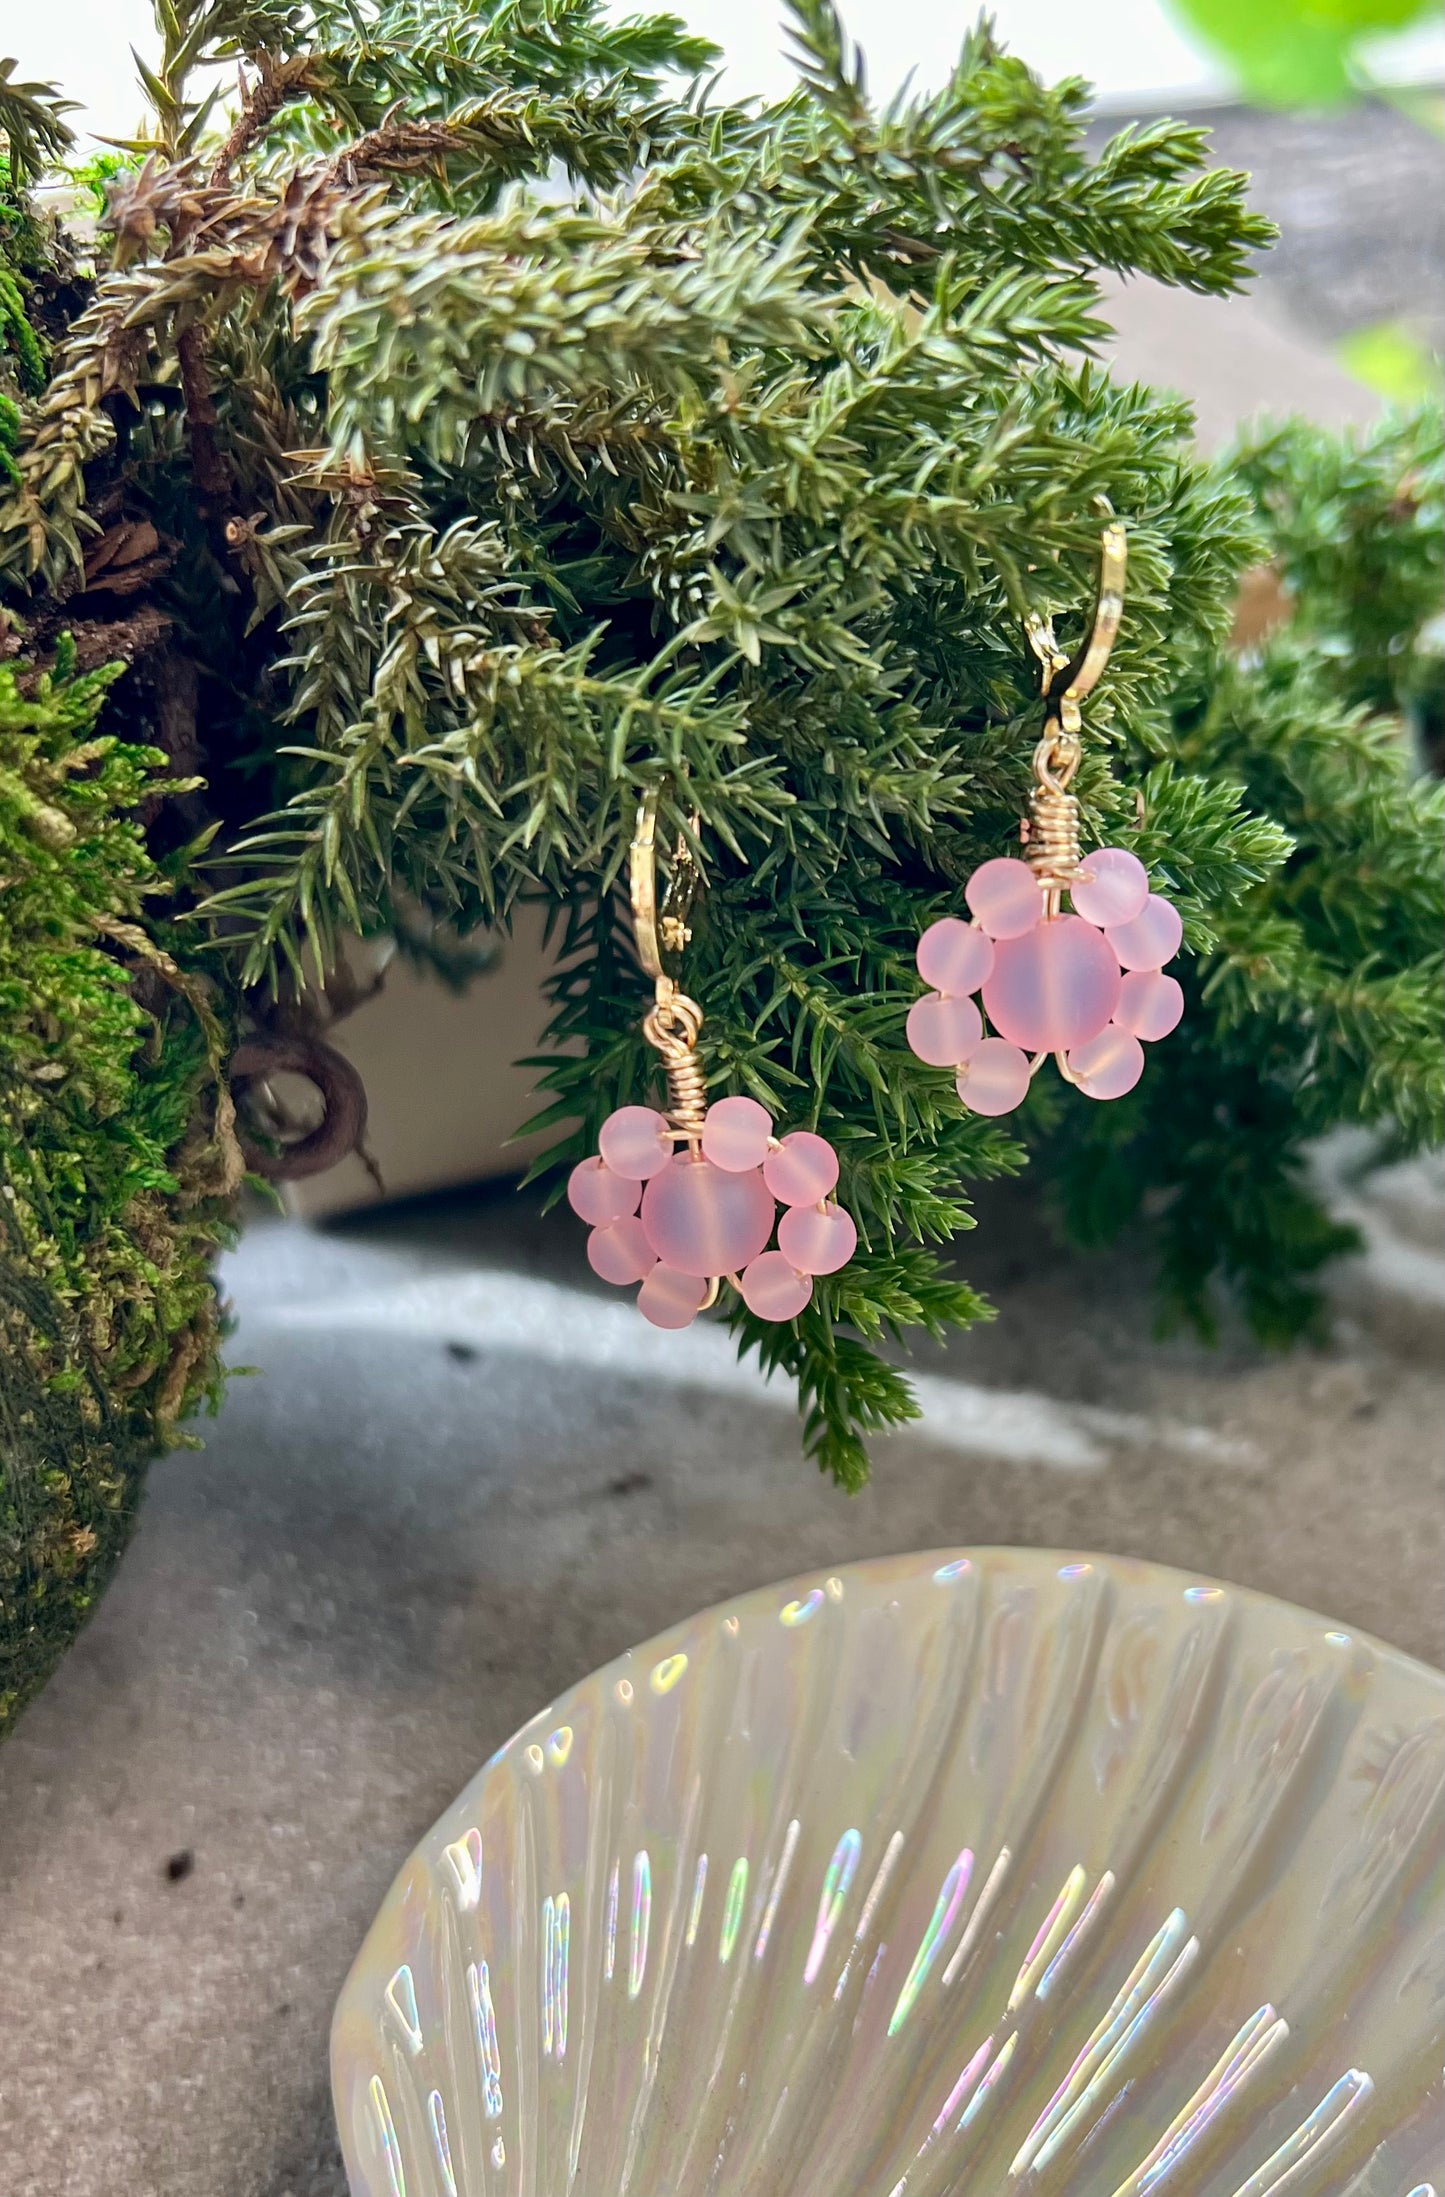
115,1172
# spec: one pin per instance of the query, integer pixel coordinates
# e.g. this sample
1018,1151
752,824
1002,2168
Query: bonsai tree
480,426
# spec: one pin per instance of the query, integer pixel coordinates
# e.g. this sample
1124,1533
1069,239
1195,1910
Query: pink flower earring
1086,986
682,1222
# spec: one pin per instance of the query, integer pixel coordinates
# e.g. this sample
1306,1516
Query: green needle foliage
495,428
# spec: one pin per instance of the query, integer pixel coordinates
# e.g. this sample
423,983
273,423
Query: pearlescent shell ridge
999,1872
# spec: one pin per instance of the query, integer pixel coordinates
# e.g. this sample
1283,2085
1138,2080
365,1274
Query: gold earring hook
659,929
1051,834
1088,668
642,877
1080,674
673,1023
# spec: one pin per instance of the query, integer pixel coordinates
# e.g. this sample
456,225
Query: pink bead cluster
709,1213
1087,986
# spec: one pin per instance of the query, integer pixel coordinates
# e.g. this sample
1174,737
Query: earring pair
684,1201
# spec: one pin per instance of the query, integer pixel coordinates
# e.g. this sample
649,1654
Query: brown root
343,1095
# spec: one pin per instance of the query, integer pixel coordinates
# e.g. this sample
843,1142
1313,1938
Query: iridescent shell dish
987,1872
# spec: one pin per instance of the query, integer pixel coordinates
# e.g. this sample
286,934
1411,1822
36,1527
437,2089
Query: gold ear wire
1080,674
1051,837
1084,673
673,1022
665,929
642,877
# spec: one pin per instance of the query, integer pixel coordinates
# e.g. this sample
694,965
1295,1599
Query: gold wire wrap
671,1025
1052,847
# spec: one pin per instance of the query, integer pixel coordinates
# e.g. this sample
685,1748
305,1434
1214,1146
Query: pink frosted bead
595,1194
703,1221
1150,1004
774,1289
1005,897
635,1142
943,1031
621,1252
670,1299
817,1242
953,957
1116,887
1055,987
803,1169
1151,939
735,1133
1109,1065
994,1078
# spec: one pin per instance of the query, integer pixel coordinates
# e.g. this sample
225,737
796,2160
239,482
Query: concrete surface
463,1478
1395,1289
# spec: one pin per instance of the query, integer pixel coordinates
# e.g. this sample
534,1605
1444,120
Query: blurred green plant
1299,53
1393,359
34,134
94,176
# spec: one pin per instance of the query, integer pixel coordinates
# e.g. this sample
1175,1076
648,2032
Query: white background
1132,50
